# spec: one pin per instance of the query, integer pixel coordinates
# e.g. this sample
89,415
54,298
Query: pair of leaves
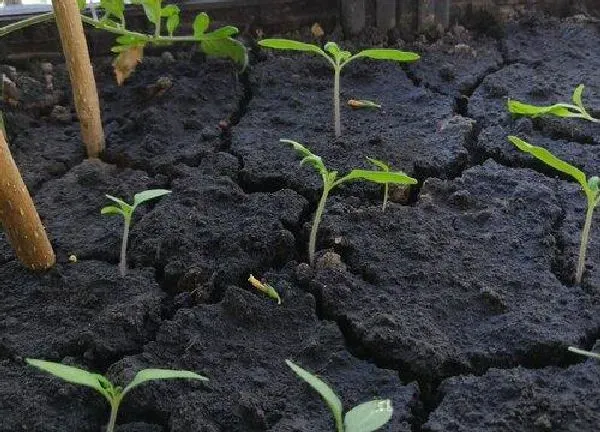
590,187
380,177
565,110
126,209
339,56
366,417
101,384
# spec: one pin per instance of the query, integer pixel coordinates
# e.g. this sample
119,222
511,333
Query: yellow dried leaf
317,30
126,62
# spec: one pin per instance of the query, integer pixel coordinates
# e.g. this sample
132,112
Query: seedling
366,417
575,110
126,210
590,188
338,58
585,353
331,181
165,19
112,393
265,288
386,188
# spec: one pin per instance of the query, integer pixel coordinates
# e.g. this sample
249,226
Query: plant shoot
338,58
386,188
331,181
366,417
265,288
585,353
126,210
574,110
589,186
112,393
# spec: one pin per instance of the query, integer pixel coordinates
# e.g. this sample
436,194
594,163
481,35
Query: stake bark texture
20,221
77,57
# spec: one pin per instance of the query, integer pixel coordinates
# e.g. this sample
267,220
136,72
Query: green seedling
112,393
110,17
585,353
590,188
574,110
366,417
338,58
386,188
331,181
126,210
265,288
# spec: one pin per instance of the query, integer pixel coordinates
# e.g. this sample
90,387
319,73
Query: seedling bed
457,302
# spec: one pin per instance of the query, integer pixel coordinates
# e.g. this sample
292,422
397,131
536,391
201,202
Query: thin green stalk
585,235
26,23
336,101
312,241
114,410
124,241
386,190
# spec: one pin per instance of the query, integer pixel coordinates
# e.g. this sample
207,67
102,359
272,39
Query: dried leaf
126,62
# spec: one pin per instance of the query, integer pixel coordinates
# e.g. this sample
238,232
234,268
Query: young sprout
126,210
585,353
265,288
331,181
338,58
366,417
575,110
589,186
386,188
112,393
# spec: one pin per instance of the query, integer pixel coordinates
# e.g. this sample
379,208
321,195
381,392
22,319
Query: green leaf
148,195
151,9
558,110
368,416
161,374
577,96
291,45
307,156
72,374
112,210
226,48
81,4
201,23
172,24
113,8
585,353
381,177
379,164
220,33
128,40
119,201
332,400
551,160
169,10
388,54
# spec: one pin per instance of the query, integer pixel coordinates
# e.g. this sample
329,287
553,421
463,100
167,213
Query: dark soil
457,302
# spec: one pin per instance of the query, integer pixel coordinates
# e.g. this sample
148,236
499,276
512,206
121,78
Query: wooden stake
81,73
18,216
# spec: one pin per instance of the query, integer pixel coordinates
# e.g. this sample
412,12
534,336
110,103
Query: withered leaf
126,62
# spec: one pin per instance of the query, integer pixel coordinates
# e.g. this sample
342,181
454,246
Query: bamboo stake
18,216
77,56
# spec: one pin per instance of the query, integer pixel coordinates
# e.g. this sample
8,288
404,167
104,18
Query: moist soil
457,302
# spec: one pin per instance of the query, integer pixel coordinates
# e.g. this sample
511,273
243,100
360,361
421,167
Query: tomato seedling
126,210
265,288
331,181
112,393
338,58
574,110
366,417
590,188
